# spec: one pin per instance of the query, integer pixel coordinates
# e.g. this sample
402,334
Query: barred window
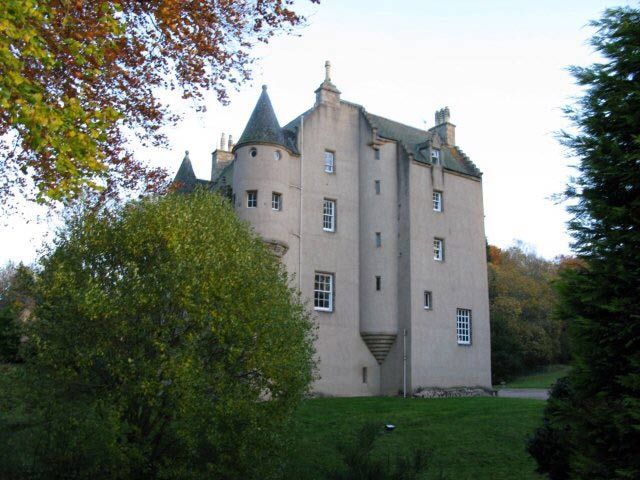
329,215
437,201
329,162
427,301
463,326
276,201
438,249
252,198
323,292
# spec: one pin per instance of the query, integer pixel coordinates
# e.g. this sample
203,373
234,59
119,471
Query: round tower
265,160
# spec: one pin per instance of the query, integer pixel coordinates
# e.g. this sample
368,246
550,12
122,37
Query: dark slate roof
416,142
186,178
263,126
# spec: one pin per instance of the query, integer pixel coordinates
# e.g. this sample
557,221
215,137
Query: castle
382,225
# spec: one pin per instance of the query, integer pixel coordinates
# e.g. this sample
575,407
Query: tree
525,332
598,415
78,77
16,304
166,344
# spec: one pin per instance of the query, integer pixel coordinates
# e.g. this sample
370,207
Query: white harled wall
403,213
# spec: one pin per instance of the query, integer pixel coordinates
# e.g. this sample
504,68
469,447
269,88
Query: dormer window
435,156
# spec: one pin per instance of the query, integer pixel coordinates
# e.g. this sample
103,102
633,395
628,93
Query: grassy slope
542,379
472,438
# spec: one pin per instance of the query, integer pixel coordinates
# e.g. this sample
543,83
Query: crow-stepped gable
382,226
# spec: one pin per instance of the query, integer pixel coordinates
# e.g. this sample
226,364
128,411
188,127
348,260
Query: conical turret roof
263,126
186,176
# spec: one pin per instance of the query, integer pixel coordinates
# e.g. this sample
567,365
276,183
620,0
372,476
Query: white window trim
331,215
463,326
435,156
249,192
437,201
425,304
279,201
331,291
329,166
438,249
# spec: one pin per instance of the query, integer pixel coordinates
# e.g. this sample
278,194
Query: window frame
330,292
249,193
329,167
331,216
376,154
378,237
275,196
437,200
376,186
427,300
464,320
378,283
438,249
435,156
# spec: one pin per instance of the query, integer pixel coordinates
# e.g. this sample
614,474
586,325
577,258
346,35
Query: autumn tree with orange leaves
78,77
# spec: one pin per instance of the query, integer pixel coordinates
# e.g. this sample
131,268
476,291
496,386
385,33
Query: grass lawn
543,379
469,438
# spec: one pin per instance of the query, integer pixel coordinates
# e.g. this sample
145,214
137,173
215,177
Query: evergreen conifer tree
594,418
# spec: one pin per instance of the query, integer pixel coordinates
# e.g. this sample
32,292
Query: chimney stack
444,127
222,141
230,143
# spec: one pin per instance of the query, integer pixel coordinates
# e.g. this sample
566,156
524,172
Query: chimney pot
222,141
230,142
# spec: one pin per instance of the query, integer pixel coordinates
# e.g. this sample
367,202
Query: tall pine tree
592,422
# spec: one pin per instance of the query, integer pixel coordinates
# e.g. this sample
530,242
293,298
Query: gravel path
534,393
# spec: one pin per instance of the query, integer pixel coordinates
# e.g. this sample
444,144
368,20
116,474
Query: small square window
438,249
323,292
427,301
437,201
276,201
329,215
376,185
378,283
378,239
435,157
329,162
252,198
463,326
376,153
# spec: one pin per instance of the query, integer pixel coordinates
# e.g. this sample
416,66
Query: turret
264,159
185,177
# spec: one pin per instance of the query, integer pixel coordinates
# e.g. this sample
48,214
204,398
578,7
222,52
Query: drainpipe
404,363
301,197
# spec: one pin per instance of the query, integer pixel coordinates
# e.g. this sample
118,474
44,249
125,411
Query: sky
500,66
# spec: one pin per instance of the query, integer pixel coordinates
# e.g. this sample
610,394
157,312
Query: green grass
469,438
543,379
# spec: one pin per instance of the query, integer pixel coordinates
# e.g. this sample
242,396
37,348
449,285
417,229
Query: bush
166,344
361,464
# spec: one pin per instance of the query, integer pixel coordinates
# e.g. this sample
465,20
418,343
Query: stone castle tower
382,226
